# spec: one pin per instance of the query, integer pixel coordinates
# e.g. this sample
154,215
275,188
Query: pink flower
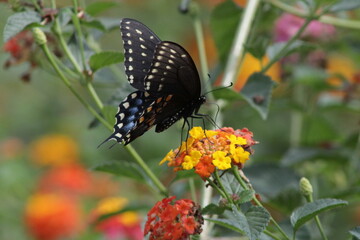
287,26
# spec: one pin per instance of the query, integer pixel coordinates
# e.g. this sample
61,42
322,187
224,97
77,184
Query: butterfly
167,82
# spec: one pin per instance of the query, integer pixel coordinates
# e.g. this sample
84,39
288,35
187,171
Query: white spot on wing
131,68
157,64
121,115
138,31
130,59
150,77
133,95
141,39
120,125
154,70
129,42
142,46
130,50
126,105
143,54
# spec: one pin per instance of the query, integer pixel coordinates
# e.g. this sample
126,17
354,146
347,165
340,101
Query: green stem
296,120
216,187
36,5
77,26
50,57
218,180
237,50
193,189
267,232
339,22
147,170
309,198
245,186
94,95
282,52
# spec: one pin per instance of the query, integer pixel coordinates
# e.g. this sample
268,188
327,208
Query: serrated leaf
123,168
257,92
18,21
223,22
230,184
213,209
355,232
246,196
103,59
345,5
95,8
258,218
305,213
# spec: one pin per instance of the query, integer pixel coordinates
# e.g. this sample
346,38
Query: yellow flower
197,133
54,150
111,204
240,155
169,157
221,161
191,160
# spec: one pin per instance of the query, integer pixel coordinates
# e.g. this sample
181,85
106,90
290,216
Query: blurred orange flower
54,150
69,179
124,225
340,68
52,216
251,65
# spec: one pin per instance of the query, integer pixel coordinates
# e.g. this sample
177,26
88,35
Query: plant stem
245,186
339,22
193,189
77,26
50,57
282,52
144,166
218,180
237,49
94,95
309,198
216,187
271,235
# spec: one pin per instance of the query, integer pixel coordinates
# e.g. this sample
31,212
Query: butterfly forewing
166,74
139,47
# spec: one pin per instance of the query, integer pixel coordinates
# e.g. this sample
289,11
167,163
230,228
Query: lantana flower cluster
208,150
169,220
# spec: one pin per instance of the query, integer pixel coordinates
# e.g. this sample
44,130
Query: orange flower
340,68
207,150
73,179
54,150
251,65
119,226
52,216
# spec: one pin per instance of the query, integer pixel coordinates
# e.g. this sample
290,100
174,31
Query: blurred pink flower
287,26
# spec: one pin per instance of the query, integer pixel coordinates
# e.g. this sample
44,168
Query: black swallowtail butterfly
167,82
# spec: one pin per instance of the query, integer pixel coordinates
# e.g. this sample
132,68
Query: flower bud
305,187
39,36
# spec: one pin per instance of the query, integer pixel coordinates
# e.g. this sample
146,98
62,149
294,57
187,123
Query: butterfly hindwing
139,47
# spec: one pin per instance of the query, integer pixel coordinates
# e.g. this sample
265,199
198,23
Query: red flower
52,216
169,220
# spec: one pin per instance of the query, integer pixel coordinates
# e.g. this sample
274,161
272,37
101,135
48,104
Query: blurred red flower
69,179
52,216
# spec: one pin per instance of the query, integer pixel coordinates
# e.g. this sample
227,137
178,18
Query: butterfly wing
139,48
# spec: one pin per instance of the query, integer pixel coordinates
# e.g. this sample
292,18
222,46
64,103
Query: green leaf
18,21
227,94
223,22
257,92
229,224
299,154
230,184
109,113
184,175
257,48
122,168
252,223
246,196
305,213
64,16
355,232
95,8
94,24
297,46
213,209
258,218
345,5
103,59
